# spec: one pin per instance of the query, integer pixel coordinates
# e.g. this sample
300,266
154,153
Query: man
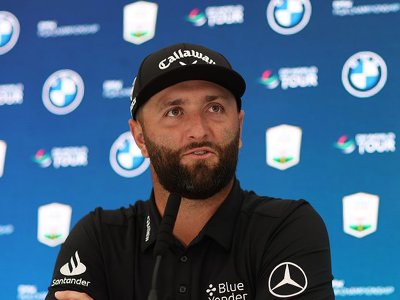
227,243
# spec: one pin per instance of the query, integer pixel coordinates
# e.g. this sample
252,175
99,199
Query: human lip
199,152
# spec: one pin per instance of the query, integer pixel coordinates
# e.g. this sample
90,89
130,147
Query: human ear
241,117
137,133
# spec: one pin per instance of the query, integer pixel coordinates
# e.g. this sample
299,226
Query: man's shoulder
120,216
260,212
254,204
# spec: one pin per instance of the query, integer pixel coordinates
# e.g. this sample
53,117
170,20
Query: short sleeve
297,261
79,265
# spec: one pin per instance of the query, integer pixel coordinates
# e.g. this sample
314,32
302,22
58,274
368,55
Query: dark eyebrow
215,97
212,98
170,103
179,101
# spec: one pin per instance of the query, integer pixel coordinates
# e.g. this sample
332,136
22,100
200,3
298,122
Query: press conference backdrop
321,119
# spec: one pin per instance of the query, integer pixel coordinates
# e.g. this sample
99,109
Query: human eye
174,112
216,108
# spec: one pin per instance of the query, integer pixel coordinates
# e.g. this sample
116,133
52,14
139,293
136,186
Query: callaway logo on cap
182,62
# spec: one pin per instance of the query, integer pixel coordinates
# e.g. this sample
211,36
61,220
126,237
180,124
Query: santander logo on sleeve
73,267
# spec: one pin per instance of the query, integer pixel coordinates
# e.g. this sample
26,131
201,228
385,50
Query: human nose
197,127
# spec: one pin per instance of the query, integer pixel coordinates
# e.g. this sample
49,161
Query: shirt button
182,289
184,258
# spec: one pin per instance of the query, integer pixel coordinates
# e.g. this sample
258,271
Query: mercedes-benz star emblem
286,280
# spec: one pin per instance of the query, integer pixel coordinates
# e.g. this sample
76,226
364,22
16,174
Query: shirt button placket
182,289
183,278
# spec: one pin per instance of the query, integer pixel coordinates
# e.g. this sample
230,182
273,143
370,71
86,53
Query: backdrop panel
321,120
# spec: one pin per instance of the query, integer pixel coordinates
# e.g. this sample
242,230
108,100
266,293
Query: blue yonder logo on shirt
226,290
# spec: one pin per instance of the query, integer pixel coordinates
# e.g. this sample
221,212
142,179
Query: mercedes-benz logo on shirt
286,280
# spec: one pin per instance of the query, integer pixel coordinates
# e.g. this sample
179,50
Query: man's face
199,180
192,134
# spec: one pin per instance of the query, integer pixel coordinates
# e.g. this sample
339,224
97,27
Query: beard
199,180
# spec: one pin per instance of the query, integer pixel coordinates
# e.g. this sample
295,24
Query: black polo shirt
252,248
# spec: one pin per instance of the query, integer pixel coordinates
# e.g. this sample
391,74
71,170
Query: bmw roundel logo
364,74
288,16
9,31
63,92
126,158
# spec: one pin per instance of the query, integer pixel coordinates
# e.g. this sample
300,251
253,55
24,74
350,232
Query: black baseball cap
181,62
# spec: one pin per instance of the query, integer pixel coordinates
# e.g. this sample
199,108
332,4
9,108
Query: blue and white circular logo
126,158
288,16
63,92
9,31
364,74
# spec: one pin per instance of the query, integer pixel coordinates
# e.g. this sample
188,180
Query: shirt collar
151,224
220,227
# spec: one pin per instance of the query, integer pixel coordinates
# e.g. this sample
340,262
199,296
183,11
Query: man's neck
193,215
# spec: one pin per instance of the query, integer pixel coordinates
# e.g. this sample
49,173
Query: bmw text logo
126,158
364,74
286,280
63,92
9,31
288,16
